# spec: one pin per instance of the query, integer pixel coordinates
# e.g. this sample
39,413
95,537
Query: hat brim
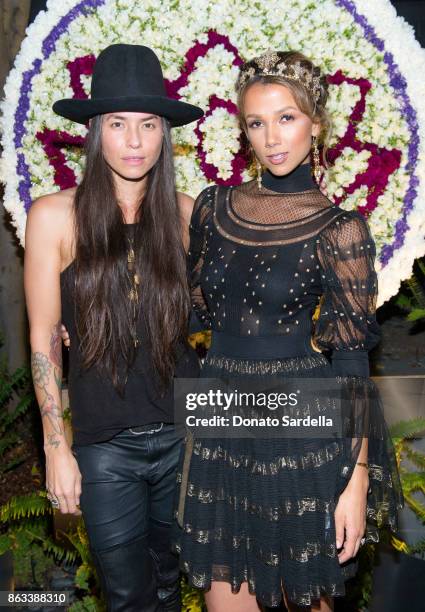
177,112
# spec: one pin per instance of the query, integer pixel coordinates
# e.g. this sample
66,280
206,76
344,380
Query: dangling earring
259,172
316,160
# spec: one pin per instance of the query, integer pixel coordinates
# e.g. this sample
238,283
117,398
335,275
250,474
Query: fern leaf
7,442
417,291
49,546
6,542
416,314
82,576
415,457
408,429
413,481
33,504
417,507
22,407
81,548
404,302
418,548
400,545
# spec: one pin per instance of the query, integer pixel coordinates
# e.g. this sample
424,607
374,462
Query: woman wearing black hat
108,259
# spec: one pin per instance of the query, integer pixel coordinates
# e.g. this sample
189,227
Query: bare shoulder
50,225
55,206
186,206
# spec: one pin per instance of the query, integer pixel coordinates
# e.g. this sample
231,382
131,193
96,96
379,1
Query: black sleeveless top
98,411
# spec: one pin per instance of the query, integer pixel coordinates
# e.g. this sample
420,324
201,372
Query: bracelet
365,465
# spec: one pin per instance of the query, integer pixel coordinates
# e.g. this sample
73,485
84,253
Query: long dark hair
104,312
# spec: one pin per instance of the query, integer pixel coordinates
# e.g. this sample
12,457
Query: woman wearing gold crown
258,520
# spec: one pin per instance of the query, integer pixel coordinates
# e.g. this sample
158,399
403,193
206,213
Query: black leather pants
127,498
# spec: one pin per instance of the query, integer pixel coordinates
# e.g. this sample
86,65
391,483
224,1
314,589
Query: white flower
322,30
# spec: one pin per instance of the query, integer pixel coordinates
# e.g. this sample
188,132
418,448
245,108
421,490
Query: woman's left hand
350,515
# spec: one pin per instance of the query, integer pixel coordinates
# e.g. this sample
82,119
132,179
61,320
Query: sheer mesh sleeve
346,324
198,229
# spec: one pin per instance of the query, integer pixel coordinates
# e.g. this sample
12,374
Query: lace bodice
261,261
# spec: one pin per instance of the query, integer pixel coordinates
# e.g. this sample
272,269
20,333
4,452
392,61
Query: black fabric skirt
262,511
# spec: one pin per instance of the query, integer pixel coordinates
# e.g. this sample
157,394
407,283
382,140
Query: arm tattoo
42,366
56,354
52,441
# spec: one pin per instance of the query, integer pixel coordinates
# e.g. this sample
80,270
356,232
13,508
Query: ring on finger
53,499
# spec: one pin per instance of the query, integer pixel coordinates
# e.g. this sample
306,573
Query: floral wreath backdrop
377,99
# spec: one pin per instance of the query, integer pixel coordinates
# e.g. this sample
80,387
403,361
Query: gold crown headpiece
271,64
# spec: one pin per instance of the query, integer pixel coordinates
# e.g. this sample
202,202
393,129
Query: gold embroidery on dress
269,366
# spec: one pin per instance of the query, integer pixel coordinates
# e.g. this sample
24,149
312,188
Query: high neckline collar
300,179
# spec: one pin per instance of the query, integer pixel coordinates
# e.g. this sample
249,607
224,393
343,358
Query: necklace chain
134,291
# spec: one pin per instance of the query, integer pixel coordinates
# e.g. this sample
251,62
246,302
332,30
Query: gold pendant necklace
134,291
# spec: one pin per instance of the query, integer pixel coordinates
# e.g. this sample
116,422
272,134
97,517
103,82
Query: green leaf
82,577
417,290
6,543
416,314
7,442
417,458
33,504
414,481
408,429
417,507
404,302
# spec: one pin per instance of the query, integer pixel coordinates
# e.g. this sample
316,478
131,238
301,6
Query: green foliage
192,599
412,295
416,314
86,578
89,603
16,397
82,577
412,482
418,549
31,564
25,506
25,529
402,431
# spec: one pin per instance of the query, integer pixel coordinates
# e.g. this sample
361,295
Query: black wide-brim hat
128,78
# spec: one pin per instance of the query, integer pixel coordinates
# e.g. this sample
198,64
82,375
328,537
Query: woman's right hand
63,480
65,336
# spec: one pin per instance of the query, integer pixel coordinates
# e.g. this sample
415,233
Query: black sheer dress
262,261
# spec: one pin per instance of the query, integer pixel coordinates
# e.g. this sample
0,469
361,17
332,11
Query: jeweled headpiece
273,64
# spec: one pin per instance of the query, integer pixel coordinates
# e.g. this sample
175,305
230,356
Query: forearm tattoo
43,367
56,354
